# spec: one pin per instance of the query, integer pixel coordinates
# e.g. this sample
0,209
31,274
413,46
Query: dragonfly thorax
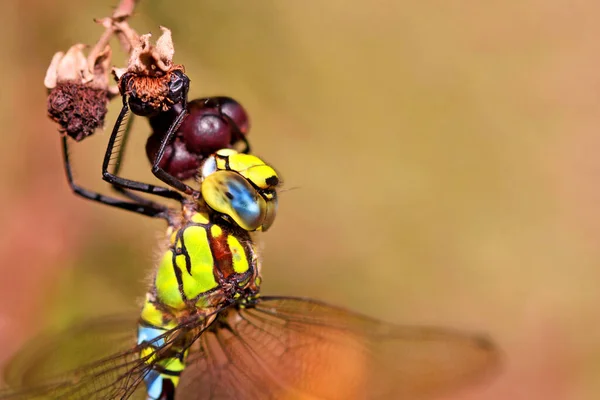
205,265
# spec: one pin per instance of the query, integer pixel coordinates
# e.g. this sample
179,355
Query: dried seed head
78,109
69,67
79,91
152,83
151,60
101,71
74,67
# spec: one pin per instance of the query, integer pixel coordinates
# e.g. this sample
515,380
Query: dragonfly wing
293,348
92,360
53,353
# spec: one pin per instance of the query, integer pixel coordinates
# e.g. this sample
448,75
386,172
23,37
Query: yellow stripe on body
173,364
200,218
155,317
225,152
193,263
241,162
238,255
149,352
216,231
260,175
201,277
167,286
221,163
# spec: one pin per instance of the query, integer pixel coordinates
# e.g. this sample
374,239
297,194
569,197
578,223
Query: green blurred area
441,161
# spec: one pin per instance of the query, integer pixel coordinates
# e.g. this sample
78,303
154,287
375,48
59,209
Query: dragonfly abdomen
163,376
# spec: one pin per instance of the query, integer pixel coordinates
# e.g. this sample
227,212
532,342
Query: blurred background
442,156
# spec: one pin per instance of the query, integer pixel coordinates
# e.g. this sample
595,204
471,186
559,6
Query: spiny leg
128,183
151,210
157,170
117,168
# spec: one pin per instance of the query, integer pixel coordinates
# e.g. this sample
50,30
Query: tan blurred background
445,156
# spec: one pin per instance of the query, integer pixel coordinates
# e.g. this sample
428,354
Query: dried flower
151,82
78,90
151,60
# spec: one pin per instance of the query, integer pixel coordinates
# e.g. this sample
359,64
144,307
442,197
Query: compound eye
178,86
124,83
270,213
141,108
230,194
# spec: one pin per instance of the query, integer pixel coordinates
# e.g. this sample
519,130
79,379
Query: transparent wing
293,348
94,360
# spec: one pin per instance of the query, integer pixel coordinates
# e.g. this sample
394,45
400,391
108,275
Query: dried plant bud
101,69
152,83
78,109
72,67
151,60
79,91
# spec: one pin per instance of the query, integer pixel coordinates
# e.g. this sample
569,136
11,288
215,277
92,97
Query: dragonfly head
242,187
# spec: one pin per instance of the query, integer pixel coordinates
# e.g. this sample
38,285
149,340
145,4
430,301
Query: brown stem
115,24
126,35
101,43
124,9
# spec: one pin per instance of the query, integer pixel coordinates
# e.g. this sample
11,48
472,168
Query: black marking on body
186,254
272,180
178,251
168,391
249,253
166,371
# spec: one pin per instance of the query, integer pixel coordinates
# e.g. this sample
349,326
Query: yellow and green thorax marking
204,263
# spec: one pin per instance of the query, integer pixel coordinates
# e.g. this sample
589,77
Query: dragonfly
153,86
183,132
205,330
210,124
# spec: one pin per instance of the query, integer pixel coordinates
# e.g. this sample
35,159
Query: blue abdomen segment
149,334
163,377
154,385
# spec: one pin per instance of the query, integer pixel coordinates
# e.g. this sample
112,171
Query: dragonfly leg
117,168
157,170
151,210
128,183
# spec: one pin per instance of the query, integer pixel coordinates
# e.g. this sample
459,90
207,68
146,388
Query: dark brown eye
211,124
205,130
178,87
141,107
177,160
236,112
